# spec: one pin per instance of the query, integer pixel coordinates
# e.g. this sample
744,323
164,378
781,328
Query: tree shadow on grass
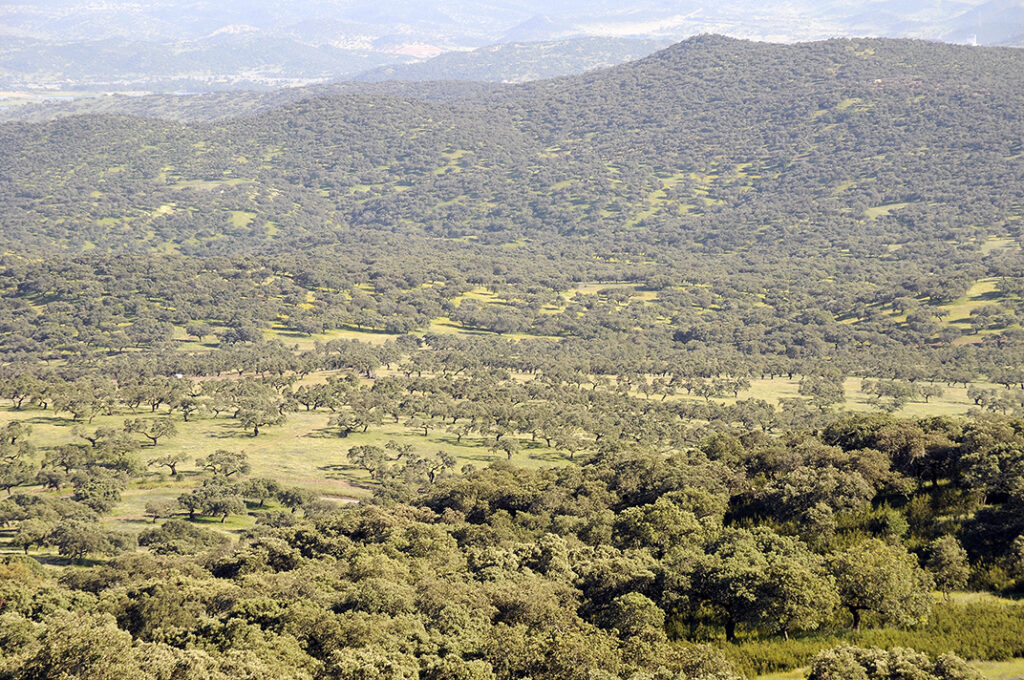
231,430
339,467
368,331
51,420
348,473
549,456
58,561
148,521
485,456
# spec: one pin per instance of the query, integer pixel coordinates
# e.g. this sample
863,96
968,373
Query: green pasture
307,342
980,293
877,211
305,451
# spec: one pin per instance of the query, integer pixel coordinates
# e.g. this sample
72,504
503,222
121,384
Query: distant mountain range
228,60
998,22
201,45
521,62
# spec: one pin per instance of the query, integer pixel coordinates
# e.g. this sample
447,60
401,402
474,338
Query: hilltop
715,143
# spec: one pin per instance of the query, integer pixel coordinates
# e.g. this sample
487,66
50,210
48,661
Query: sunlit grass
883,210
241,218
1001,670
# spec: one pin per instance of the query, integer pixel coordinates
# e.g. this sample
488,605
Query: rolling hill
690,145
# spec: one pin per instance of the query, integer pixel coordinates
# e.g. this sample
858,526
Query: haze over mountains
204,46
461,24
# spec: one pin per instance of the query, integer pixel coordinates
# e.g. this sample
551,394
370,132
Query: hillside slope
714,144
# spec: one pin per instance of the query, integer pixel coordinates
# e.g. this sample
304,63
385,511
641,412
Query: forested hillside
691,139
705,366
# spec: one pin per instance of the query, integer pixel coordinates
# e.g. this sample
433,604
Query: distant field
303,451
15,98
307,342
883,210
979,294
955,313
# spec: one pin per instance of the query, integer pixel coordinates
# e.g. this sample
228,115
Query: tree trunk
730,631
856,618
